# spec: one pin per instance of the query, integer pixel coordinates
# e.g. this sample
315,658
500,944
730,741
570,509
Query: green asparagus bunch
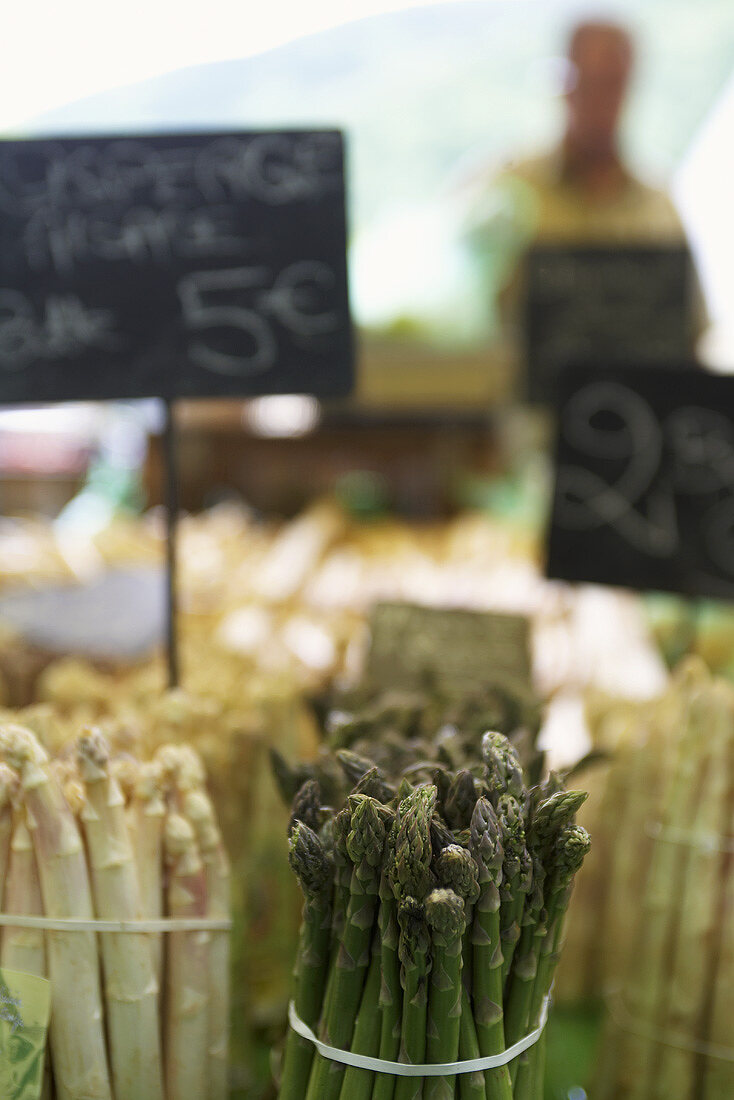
432,923
399,730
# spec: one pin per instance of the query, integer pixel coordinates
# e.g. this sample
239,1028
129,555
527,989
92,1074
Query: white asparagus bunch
200,813
130,984
187,993
94,835
77,1032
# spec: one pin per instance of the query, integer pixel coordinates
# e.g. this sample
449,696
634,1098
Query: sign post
173,266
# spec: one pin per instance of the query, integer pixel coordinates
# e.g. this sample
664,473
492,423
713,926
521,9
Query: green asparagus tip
309,861
456,871
486,843
307,806
445,916
557,811
366,837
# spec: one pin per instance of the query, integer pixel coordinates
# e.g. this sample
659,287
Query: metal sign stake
171,498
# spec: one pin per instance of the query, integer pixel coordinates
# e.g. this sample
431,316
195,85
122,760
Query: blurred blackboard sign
460,651
177,265
610,305
644,491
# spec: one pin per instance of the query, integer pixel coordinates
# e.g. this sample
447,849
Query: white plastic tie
624,1019
167,924
705,842
426,1069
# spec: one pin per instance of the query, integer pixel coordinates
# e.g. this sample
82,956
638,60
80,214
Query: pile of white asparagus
652,925
98,836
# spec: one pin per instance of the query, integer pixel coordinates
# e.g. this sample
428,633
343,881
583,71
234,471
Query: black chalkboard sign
644,492
173,266
610,305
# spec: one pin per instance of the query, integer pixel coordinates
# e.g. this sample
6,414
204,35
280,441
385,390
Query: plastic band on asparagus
706,842
622,1018
426,1069
164,924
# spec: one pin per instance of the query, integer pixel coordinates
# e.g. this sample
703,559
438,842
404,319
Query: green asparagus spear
358,1083
503,773
486,947
457,871
314,873
391,994
460,800
307,806
414,950
517,872
445,917
571,848
365,845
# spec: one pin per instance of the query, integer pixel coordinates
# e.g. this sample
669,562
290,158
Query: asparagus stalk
8,788
517,869
460,800
503,773
457,871
693,966
307,806
525,961
415,967
648,975
186,1024
471,1085
446,920
358,1083
487,948
200,813
312,868
391,994
149,811
23,949
365,844
572,847
77,1035
130,986
411,879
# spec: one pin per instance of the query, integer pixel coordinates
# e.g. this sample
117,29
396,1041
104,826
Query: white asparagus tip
149,785
21,750
93,755
180,845
181,766
126,770
8,785
75,795
199,811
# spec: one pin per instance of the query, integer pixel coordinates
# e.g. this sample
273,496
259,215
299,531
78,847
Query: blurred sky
87,46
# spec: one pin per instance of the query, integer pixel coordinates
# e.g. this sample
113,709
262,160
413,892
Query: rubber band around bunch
426,1069
163,924
705,842
623,1018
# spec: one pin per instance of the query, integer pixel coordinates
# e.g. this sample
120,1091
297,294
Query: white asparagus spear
149,810
130,986
200,812
181,771
77,1031
8,789
187,988
24,949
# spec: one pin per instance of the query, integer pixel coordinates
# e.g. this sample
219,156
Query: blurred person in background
581,192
